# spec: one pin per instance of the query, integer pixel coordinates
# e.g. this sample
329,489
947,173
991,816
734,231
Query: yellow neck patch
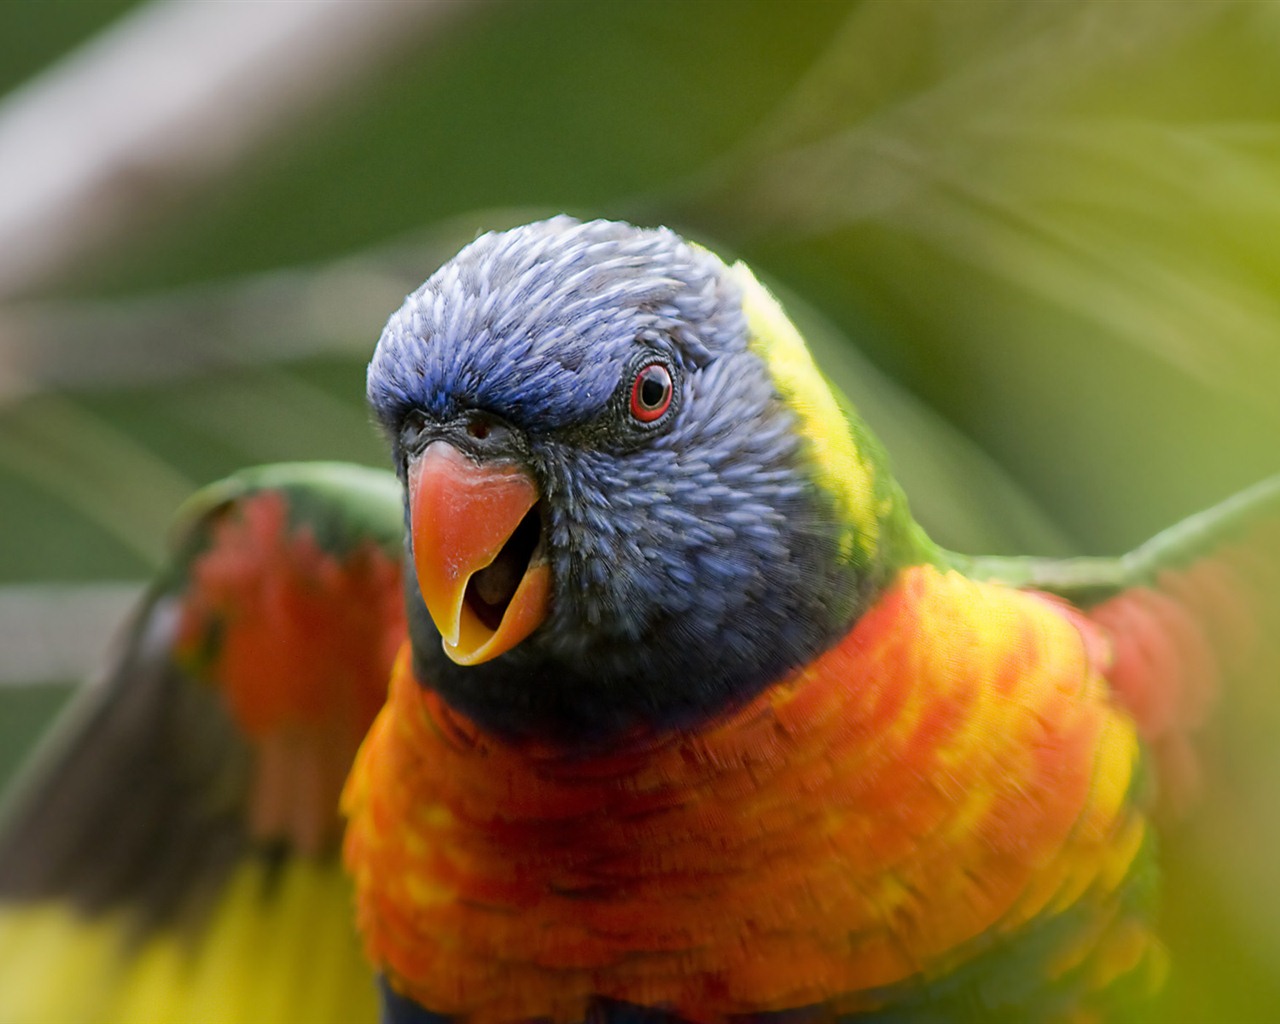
840,468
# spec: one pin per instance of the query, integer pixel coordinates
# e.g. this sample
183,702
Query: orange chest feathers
950,771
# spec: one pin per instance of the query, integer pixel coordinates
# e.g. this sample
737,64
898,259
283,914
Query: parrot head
631,499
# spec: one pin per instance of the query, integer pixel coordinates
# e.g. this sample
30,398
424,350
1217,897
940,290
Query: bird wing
171,852
1194,607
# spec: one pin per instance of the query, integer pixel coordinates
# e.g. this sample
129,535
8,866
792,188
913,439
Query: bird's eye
651,393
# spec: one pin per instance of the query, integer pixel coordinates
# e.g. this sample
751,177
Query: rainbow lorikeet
687,719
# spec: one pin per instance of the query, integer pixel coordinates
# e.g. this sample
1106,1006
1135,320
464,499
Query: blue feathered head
592,402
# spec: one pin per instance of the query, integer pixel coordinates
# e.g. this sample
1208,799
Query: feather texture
950,774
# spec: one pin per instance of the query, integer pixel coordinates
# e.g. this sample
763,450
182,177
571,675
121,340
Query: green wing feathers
171,853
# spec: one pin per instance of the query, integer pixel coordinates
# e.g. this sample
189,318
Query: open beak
476,535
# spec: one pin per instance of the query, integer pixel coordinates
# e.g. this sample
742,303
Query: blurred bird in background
1050,223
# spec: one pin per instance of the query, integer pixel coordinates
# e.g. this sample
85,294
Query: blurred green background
1038,242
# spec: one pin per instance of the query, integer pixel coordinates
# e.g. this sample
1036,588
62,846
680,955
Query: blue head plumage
693,558
541,319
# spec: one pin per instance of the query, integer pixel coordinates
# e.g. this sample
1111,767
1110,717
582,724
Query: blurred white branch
274,317
167,98
59,632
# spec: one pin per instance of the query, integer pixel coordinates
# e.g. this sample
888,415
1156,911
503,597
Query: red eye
651,393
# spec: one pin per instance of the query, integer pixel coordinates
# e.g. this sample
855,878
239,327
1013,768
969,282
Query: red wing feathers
246,681
1180,640
300,644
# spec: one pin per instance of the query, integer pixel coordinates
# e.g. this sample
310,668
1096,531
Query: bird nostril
479,429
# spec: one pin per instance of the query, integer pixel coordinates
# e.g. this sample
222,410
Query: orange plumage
299,637
950,771
300,643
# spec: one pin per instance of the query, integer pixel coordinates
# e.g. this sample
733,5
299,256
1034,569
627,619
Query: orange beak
475,539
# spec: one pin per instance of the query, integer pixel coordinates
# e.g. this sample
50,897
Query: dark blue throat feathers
693,558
